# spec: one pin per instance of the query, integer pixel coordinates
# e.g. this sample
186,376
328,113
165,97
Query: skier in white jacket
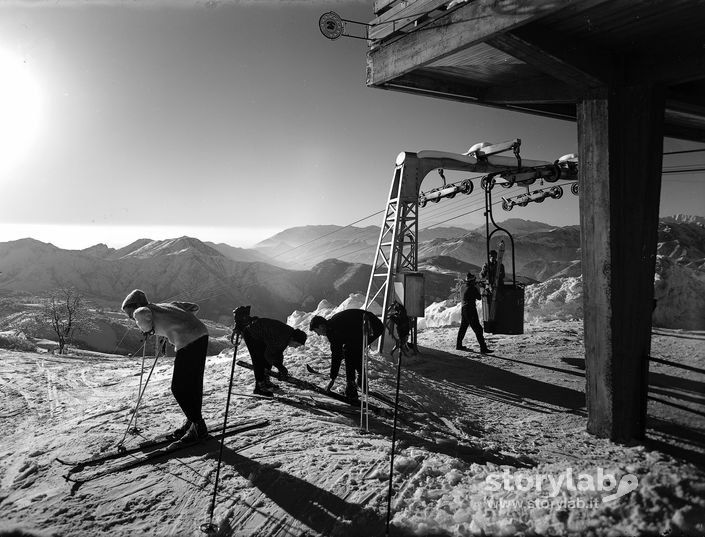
176,321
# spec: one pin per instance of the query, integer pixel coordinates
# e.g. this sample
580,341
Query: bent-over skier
344,332
189,336
266,340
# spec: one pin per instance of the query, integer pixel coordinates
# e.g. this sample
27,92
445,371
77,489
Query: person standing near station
469,316
344,331
489,271
189,336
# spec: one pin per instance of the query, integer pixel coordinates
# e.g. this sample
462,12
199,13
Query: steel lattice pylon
397,247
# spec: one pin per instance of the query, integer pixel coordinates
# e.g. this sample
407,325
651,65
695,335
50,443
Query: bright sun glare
19,110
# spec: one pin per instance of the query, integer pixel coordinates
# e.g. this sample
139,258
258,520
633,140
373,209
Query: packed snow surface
485,445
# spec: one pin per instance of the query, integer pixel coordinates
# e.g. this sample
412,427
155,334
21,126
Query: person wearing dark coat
399,326
469,316
489,271
266,340
344,331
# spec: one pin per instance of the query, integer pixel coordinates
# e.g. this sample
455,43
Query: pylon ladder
397,247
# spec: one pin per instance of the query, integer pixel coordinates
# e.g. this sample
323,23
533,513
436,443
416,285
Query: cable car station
628,74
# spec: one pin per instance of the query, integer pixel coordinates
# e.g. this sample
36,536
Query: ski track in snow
312,471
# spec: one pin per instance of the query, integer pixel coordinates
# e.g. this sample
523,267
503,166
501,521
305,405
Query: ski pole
210,528
135,430
394,441
139,399
365,404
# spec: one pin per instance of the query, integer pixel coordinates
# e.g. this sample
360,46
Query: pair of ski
374,394
310,386
305,402
147,451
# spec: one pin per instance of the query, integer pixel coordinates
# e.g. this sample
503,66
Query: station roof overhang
543,56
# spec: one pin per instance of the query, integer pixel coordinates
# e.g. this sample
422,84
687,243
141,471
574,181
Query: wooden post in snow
620,141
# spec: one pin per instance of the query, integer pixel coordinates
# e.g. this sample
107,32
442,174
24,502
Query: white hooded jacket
173,320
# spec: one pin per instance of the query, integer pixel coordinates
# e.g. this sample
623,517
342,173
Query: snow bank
301,319
438,314
679,291
680,296
554,299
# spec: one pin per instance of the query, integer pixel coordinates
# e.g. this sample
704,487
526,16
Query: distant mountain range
305,246
185,269
535,252
219,277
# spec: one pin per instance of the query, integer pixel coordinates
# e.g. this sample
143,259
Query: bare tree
66,313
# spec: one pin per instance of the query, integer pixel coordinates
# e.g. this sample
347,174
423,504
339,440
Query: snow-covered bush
16,342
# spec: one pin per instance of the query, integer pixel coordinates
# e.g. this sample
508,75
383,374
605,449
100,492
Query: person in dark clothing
176,322
344,331
489,271
266,340
399,327
469,316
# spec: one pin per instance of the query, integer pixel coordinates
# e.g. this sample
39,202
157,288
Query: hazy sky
227,121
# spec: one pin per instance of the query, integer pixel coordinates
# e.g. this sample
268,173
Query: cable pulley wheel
331,25
487,183
554,175
556,192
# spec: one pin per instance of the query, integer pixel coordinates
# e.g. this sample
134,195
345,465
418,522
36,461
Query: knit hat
135,299
242,312
299,336
470,277
316,322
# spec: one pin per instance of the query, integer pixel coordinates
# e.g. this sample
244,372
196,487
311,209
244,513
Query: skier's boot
197,431
485,350
268,380
351,394
283,372
261,389
181,431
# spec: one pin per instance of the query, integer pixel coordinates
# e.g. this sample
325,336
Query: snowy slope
469,421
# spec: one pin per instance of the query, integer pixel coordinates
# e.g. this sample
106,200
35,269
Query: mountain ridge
186,268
